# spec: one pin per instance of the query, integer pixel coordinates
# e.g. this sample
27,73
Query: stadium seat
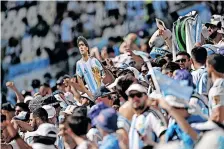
36,42
2,17
22,13
32,16
26,44
11,15
49,41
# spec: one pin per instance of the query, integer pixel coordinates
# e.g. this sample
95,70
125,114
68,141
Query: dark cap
102,91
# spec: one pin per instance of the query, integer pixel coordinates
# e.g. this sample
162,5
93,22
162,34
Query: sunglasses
139,95
181,60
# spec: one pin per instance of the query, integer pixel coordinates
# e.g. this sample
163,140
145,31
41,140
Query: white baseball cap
45,130
50,110
136,87
69,109
28,98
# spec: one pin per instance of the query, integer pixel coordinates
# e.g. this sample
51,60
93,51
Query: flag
169,86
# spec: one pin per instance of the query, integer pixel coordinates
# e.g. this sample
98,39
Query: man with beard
183,59
214,28
216,94
38,117
146,123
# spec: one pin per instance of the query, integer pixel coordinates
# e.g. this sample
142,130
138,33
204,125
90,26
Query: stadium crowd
165,92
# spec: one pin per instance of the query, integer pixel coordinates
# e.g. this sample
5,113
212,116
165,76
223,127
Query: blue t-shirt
110,142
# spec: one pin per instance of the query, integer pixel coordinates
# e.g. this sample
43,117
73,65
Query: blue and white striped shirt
92,71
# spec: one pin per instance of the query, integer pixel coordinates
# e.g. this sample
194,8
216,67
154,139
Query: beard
139,107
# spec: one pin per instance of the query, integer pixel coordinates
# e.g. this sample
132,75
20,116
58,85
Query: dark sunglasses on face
181,60
139,95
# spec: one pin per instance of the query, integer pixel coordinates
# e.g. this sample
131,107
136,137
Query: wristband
17,136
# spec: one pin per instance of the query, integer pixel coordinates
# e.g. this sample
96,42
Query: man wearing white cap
51,114
44,137
145,123
52,119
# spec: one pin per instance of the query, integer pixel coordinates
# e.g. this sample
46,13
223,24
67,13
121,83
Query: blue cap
95,111
107,120
183,74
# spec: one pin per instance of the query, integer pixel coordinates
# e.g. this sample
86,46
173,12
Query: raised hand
10,85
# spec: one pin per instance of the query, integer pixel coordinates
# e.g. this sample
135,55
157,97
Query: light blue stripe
88,79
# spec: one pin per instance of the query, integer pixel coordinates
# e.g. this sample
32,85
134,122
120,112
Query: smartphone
160,24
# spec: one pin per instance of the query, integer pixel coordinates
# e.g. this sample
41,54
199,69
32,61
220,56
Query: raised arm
15,136
73,85
19,96
83,88
185,126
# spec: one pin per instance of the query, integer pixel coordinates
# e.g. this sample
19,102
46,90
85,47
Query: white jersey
152,125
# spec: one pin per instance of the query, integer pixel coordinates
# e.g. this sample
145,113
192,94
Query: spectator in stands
200,75
21,107
78,128
35,85
38,117
66,30
169,68
106,122
8,110
216,100
41,28
183,59
45,89
48,79
51,112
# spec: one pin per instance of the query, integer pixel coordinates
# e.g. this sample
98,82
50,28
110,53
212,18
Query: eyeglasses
181,60
139,95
